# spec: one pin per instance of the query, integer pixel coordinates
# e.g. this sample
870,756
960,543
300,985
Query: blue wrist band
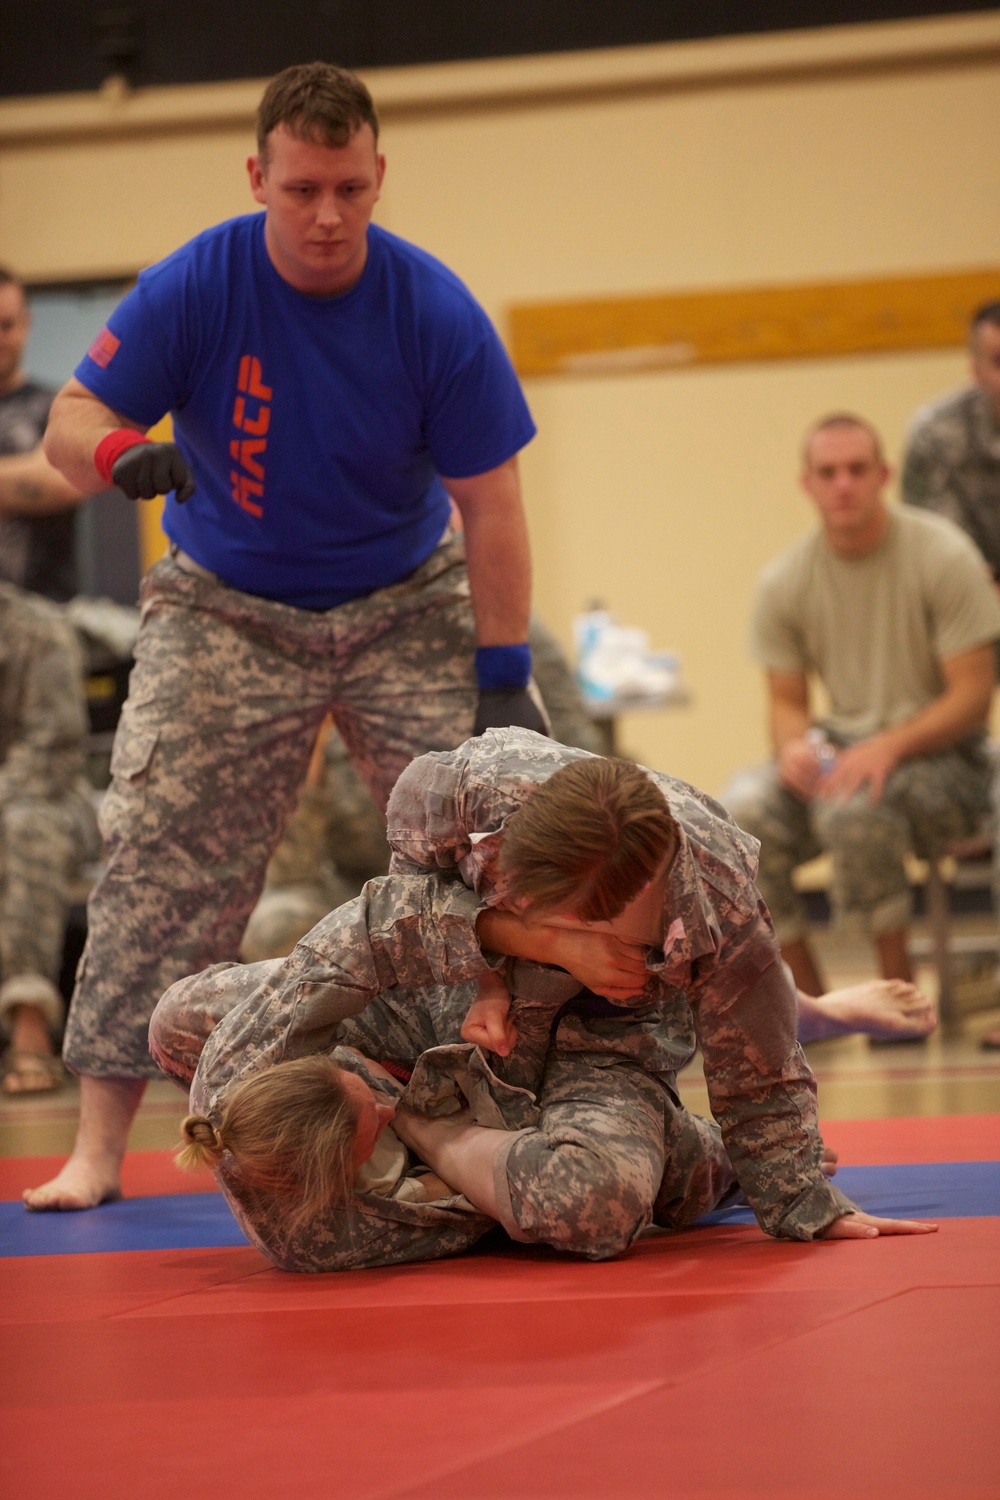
499,667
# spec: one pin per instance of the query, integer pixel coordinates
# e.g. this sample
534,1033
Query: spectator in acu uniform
47,826
37,520
952,462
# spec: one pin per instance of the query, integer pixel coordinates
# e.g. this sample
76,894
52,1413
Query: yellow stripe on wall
799,321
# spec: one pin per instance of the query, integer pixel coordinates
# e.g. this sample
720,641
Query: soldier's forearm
497,553
462,1154
503,932
30,486
77,423
959,711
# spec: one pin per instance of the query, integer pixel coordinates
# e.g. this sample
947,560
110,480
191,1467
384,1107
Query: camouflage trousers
613,1151
43,844
927,802
336,839
225,701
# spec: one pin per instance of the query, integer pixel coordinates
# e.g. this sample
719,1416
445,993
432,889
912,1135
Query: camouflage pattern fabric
225,701
716,979
952,466
47,825
336,840
597,1151
928,801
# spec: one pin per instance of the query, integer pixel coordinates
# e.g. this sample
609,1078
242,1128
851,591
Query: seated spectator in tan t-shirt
893,611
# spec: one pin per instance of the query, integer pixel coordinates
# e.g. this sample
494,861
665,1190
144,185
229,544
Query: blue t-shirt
316,427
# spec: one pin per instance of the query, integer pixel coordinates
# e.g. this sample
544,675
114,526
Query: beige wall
834,154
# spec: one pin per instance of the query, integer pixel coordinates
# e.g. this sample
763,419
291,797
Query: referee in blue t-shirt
332,389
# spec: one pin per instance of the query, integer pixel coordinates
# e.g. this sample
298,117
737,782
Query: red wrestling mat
710,1364
863,1143
146,1174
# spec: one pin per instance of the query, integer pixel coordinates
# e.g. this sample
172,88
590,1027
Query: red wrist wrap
110,449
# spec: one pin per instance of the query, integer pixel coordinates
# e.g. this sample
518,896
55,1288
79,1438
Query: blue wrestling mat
189,1221
180,1221
914,1190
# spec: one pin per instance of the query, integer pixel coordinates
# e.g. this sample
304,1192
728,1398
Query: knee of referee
577,1195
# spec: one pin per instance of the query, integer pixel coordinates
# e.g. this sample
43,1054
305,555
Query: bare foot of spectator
887,1009
991,1039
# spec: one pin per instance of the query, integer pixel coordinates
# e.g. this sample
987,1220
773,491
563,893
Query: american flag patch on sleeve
104,348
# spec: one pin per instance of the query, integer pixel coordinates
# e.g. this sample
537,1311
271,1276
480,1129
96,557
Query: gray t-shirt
875,629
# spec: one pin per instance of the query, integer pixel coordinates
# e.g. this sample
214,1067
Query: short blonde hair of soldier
841,419
587,840
315,102
290,1132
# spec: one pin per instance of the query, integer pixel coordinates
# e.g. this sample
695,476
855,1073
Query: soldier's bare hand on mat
859,1226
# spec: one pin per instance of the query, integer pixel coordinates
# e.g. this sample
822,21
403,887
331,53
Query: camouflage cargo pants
613,1152
225,701
609,1148
42,846
927,802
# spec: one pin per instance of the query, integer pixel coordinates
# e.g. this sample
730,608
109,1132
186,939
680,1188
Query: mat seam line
645,1388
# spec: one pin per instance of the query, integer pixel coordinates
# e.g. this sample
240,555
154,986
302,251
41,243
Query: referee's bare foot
84,1182
889,1009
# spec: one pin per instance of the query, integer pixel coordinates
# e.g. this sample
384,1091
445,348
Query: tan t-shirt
876,629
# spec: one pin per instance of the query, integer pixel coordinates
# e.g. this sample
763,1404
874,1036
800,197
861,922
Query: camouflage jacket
952,465
717,979
43,721
391,973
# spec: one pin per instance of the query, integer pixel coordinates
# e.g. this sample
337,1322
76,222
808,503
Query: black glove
149,469
501,707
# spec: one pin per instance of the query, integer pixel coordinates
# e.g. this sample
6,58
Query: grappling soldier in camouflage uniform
47,825
598,1145
715,977
604,1146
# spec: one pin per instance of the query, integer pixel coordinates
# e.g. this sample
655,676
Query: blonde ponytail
288,1132
202,1144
